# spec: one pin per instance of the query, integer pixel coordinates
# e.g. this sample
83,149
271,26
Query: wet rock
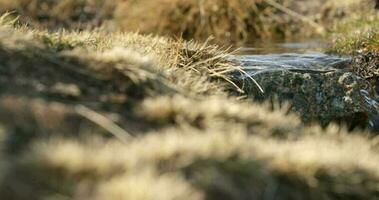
315,88
366,65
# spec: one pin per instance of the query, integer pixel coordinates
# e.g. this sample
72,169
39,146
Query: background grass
229,22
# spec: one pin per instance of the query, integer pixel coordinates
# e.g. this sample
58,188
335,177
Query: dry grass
356,34
215,164
214,112
189,139
358,37
229,22
359,42
188,66
109,74
63,14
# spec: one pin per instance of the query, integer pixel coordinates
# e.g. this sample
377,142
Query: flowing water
264,59
277,47
294,56
300,62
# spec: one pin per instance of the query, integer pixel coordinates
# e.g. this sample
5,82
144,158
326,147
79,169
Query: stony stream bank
319,87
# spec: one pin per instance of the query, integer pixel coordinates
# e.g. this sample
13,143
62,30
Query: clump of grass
106,73
62,14
356,35
190,19
202,165
66,98
238,21
357,43
177,60
359,37
214,112
229,21
357,32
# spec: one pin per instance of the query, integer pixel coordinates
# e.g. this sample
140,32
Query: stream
318,87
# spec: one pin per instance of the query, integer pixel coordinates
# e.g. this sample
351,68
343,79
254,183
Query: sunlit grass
356,35
229,22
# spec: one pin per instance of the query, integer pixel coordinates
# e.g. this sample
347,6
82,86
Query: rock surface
318,87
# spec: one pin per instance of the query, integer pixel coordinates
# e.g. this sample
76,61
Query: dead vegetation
199,165
91,70
359,41
94,115
229,22
359,37
62,14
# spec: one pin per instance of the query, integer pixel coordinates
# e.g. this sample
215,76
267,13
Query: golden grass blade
103,122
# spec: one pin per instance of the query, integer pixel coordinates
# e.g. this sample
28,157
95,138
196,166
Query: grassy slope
93,115
358,37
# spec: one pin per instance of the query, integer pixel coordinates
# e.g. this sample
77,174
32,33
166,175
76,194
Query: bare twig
318,27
